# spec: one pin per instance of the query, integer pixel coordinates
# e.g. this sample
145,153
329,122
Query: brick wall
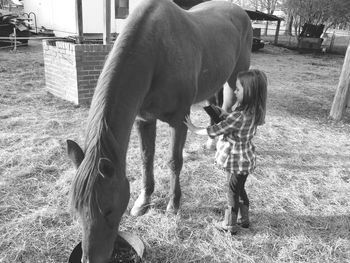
72,70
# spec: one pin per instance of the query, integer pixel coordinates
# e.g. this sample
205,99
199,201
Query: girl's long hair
254,84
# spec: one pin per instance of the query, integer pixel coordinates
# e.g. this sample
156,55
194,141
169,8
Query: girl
235,152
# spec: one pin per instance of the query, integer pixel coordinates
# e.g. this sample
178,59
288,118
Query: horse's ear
106,167
75,153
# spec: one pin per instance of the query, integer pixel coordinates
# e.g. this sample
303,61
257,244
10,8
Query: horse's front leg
178,138
147,134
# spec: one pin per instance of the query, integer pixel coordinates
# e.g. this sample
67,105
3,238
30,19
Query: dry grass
299,193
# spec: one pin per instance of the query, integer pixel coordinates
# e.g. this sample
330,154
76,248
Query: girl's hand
235,106
189,123
223,113
193,128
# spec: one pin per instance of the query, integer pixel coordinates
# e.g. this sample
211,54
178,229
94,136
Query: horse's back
222,9
190,54
226,33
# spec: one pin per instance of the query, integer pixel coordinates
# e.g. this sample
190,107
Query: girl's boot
243,215
229,224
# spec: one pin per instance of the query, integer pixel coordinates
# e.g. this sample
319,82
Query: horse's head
100,195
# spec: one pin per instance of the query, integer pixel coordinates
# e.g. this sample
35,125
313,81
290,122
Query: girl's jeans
236,192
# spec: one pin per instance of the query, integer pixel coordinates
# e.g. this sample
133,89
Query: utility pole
341,98
79,20
107,22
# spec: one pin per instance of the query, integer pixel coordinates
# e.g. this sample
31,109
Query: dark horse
165,60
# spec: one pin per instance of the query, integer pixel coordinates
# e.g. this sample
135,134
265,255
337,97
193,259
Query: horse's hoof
141,205
185,155
139,210
210,145
171,209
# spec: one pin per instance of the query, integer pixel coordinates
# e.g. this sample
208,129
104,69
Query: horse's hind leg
178,138
147,134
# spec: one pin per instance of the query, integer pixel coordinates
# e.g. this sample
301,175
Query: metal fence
334,41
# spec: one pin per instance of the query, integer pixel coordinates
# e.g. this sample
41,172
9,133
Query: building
60,15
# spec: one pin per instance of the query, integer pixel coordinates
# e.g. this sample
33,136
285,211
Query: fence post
332,42
277,31
15,41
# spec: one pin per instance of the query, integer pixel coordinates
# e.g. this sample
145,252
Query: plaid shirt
235,151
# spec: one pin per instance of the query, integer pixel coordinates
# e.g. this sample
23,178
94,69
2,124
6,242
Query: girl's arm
193,128
223,113
230,124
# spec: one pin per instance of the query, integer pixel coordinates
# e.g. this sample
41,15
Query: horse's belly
158,107
156,115
207,91
211,82
146,116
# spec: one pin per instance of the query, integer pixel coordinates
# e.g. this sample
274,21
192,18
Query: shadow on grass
327,228
308,158
174,254
286,225
270,235
301,106
307,104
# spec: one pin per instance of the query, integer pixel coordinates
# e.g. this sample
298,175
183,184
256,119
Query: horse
164,60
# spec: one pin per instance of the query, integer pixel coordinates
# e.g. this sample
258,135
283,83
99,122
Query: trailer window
121,8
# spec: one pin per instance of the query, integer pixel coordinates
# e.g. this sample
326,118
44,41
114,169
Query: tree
254,4
266,6
289,25
317,12
269,6
3,3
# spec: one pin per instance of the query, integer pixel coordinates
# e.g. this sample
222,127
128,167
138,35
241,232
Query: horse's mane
97,145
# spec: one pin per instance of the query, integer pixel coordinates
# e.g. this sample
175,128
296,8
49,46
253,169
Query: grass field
300,205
